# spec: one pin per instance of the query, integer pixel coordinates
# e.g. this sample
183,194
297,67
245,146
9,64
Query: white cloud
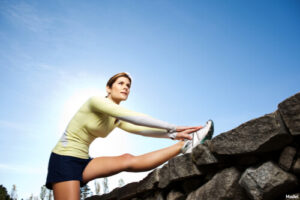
26,15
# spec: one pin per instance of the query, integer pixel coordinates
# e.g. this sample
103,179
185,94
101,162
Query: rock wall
258,160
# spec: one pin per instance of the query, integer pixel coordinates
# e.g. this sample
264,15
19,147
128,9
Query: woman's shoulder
98,100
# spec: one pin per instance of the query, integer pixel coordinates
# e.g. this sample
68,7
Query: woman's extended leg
107,166
67,190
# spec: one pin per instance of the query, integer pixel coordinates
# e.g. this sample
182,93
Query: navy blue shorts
65,168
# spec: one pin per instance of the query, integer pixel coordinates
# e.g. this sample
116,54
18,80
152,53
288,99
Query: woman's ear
108,90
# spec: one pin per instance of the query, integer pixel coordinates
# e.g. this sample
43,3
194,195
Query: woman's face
120,90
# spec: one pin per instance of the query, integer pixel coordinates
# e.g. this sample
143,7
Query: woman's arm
146,131
182,133
104,105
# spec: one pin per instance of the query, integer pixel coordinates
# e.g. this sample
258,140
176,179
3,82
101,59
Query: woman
70,166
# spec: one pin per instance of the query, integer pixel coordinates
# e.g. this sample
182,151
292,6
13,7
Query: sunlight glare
74,102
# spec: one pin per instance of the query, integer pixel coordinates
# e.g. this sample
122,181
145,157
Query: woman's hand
183,128
183,132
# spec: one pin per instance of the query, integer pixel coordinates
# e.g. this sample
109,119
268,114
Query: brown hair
111,81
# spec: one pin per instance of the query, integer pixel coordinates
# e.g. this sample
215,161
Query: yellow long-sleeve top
97,117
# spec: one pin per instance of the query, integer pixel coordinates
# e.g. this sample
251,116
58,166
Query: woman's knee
128,160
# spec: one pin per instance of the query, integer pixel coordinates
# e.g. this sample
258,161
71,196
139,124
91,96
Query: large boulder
290,112
202,156
178,168
149,182
267,182
223,186
264,134
286,158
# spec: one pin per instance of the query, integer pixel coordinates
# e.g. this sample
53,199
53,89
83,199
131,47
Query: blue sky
230,61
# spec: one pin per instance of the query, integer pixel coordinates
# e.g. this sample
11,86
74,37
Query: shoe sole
210,132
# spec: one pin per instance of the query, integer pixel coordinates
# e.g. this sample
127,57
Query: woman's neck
116,102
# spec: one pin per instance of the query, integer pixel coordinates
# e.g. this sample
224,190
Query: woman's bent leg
107,166
67,190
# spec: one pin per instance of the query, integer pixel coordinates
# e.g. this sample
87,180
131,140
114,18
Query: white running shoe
199,137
